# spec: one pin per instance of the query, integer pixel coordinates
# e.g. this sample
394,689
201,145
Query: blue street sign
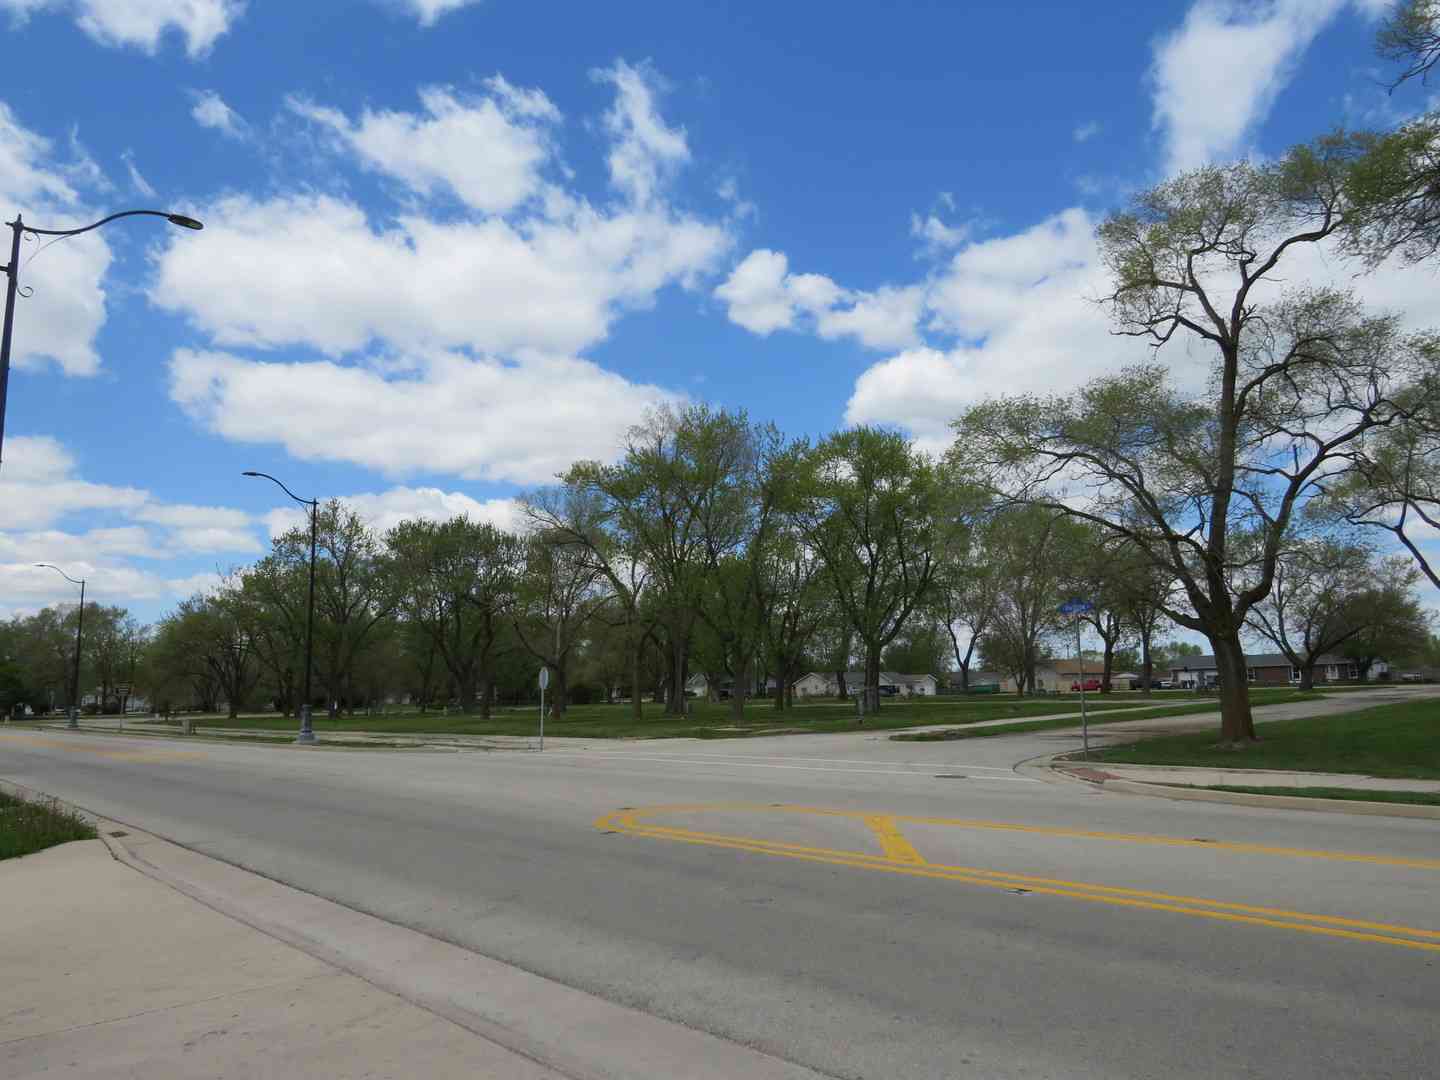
1076,606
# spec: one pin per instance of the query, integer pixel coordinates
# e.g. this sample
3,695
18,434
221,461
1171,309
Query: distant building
824,684
1270,669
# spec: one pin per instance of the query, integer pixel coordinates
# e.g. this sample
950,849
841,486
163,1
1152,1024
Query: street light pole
307,732
79,626
18,229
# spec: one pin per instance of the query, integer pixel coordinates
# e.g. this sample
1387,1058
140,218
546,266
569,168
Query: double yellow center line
900,857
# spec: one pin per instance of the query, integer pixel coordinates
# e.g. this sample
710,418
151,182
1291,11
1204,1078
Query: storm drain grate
119,832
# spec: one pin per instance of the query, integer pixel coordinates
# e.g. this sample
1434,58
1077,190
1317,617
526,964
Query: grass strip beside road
709,720
1398,740
1157,713
1423,798
27,827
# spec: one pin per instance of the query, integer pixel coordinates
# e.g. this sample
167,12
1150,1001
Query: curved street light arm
62,573
175,219
303,502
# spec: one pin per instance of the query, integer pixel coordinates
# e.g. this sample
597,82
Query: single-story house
824,684
1270,669
699,686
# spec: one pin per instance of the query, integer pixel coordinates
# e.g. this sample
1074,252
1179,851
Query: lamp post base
74,724
307,733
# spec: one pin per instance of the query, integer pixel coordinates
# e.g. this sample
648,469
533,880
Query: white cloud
488,150
138,182
311,270
762,296
1020,311
430,11
210,111
142,23
646,150
1217,76
937,235
1087,131
479,418
384,510
40,487
58,320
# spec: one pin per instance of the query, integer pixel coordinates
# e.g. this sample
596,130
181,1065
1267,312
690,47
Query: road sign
123,689
544,678
1076,607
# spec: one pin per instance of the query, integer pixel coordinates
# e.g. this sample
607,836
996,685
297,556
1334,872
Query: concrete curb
1360,807
1276,802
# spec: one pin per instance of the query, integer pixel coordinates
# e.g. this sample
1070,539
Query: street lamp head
247,472
184,222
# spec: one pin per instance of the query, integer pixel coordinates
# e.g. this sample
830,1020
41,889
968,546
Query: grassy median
1399,740
709,720
28,827
1182,708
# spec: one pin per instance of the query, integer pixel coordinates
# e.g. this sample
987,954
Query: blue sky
452,246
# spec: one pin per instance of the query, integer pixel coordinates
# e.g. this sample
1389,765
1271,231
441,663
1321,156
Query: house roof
857,678
1255,660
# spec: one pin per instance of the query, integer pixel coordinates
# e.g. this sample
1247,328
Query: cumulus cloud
312,270
383,510
1217,76
208,109
488,150
58,321
141,23
521,421
763,296
1087,131
646,150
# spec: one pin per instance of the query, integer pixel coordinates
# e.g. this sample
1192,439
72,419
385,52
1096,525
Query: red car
1090,684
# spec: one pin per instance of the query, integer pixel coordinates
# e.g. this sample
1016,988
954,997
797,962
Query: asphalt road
864,907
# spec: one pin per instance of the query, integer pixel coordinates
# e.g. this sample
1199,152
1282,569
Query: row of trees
1228,508
713,545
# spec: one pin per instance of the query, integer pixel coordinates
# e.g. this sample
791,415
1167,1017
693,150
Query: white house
824,684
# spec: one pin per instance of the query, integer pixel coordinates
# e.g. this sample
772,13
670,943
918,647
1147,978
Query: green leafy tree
1296,378
456,581
871,509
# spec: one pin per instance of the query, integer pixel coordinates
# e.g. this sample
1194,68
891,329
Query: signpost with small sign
1077,607
544,682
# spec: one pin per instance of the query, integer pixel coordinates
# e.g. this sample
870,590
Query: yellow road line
892,841
1332,926
1079,834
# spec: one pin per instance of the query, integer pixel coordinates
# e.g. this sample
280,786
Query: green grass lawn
1183,708
1401,740
713,720
1424,798
28,827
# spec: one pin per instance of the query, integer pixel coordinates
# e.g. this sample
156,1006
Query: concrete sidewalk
134,957
109,973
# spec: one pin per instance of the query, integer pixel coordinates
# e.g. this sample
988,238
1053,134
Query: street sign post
544,682
1077,607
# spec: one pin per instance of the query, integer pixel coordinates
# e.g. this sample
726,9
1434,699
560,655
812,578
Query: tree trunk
872,679
1307,676
558,692
636,709
675,706
1107,668
1147,664
737,692
1237,725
